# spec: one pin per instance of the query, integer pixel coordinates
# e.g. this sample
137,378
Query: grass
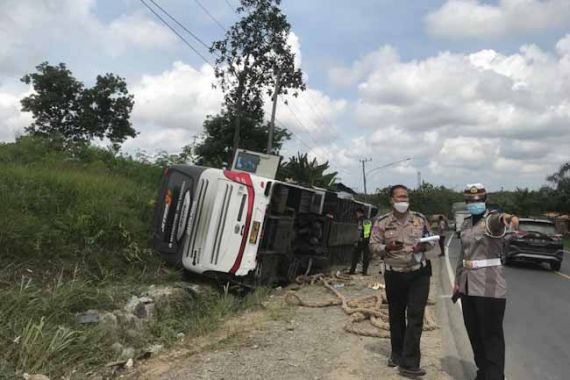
567,244
74,236
39,333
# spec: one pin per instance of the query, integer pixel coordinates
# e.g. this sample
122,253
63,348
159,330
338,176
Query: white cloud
134,30
12,121
177,98
29,30
476,19
345,77
170,107
311,114
295,43
501,119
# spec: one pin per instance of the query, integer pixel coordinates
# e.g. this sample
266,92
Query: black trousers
442,244
483,318
407,294
361,249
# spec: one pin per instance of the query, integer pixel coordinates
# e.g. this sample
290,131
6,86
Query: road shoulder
286,342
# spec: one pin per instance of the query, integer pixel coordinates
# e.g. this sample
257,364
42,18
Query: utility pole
272,124
419,180
364,161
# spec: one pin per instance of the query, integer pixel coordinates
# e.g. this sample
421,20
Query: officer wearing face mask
395,238
480,282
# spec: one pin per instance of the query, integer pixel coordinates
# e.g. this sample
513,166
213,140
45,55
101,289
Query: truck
460,213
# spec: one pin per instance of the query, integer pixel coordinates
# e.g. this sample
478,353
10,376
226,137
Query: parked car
535,241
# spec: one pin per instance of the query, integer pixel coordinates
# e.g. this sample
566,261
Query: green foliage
39,334
216,148
38,331
428,199
431,199
68,113
88,205
74,231
560,180
310,173
252,57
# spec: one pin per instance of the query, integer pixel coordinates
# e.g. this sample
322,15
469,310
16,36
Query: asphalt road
537,323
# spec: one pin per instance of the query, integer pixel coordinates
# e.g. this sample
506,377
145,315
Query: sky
459,91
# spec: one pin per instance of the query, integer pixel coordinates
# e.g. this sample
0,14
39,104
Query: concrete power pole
364,161
272,124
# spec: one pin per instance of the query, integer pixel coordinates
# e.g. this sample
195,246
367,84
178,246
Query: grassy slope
74,232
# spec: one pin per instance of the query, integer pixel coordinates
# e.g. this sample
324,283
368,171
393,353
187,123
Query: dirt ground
281,341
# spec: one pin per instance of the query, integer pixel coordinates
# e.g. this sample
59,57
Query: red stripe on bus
244,179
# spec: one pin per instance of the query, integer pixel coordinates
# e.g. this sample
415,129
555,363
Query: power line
229,5
176,32
210,15
299,110
307,130
310,148
301,124
318,110
177,23
316,122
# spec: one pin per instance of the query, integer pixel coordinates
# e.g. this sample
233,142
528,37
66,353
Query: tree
305,172
561,183
64,110
215,149
429,199
186,156
251,57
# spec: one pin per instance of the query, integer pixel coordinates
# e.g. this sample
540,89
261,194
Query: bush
86,206
74,233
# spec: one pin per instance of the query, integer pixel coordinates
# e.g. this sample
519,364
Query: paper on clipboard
429,238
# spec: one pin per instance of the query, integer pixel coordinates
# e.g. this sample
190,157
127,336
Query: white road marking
450,272
452,275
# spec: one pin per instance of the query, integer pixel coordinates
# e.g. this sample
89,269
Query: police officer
480,282
361,245
395,237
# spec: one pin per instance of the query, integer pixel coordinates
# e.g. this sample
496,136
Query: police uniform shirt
409,231
480,242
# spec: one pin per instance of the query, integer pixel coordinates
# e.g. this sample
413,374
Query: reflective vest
366,228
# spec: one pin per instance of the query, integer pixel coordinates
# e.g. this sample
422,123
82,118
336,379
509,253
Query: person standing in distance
361,245
441,227
480,282
395,238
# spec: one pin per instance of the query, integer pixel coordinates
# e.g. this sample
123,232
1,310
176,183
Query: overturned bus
244,228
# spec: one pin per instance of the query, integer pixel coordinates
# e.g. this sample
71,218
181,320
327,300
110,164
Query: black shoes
411,372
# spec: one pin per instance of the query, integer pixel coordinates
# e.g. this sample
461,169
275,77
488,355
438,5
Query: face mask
401,207
476,208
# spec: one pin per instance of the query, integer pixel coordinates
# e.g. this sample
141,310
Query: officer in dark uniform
361,245
395,237
480,282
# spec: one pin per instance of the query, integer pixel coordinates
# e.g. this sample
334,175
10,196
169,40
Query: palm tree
309,173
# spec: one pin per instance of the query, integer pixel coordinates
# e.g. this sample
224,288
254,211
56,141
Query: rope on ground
372,308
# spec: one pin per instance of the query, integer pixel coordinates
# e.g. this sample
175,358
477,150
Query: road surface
537,323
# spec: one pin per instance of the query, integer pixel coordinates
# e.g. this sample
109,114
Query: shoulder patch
419,214
379,218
